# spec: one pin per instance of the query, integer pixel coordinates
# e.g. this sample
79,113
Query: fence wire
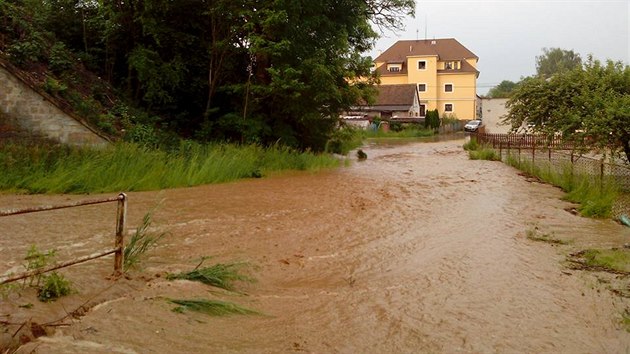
561,158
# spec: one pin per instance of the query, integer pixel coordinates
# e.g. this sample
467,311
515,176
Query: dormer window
452,65
422,64
394,68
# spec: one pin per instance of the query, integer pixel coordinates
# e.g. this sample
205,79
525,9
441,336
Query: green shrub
54,286
396,126
343,140
60,59
28,50
471,145
54,87
432,119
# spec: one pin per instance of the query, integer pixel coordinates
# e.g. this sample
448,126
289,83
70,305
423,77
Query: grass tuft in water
211,307
625,320
616,260
140,243
534,235
219,275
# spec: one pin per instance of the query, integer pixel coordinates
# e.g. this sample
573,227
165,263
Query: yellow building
444,71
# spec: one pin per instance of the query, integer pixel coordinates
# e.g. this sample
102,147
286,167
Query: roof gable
396,95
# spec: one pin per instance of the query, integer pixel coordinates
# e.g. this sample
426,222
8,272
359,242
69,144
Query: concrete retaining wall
24,112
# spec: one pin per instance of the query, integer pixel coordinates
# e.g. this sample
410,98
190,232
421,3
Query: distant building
393,101
443,71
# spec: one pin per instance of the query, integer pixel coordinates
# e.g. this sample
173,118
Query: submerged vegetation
477,151
132,167
219,275
615,260
211,307
535,235
141,242
49,286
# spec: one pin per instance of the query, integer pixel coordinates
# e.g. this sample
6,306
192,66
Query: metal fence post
601,174
121,216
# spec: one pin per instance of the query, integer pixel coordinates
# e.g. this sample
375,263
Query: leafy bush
54,87
28,50
471,145
343,140
396,126
55,286
60,59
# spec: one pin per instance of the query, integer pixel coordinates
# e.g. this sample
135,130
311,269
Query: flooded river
415,250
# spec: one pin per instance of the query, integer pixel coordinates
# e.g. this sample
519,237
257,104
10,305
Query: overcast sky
508,35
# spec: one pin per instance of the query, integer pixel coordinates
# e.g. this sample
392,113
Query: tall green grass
478,151
595,195
130,167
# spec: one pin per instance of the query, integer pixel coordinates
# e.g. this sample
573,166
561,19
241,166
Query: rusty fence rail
525,141
117,250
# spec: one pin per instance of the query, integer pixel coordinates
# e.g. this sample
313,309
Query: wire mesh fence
554,156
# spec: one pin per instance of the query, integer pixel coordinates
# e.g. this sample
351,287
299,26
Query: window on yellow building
448,87
422,87
448,107
422,65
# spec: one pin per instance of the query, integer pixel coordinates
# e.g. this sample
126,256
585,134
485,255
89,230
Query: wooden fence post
121,216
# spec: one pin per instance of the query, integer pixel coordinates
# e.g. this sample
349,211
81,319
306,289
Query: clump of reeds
219,275
141,242
211,307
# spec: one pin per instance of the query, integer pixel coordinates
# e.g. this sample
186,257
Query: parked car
473,125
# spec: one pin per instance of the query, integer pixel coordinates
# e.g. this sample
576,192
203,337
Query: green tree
243,70
502,90
589,104
432,119
556,60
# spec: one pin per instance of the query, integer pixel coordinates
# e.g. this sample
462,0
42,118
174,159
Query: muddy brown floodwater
415,250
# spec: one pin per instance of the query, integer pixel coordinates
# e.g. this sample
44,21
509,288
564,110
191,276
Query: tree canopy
556,60
589,104
503,89
240,70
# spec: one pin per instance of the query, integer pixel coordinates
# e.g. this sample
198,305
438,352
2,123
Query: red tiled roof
444,49
395,95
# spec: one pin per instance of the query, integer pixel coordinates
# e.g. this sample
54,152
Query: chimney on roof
410,49
433,42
